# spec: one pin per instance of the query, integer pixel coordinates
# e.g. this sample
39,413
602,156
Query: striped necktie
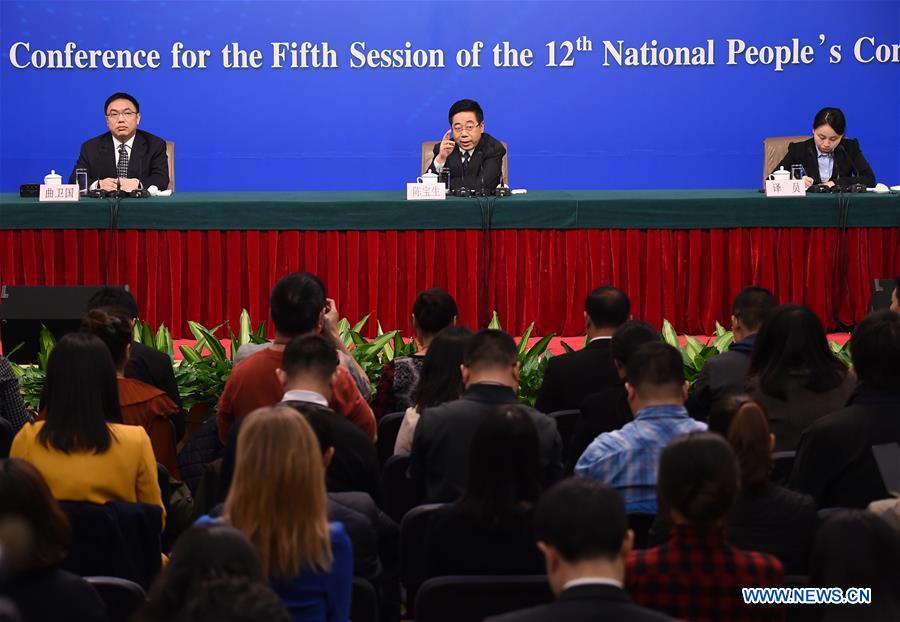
122,166
465,162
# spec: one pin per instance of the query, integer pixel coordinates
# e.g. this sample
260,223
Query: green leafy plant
532,361
694,354
373,355
842,352
205,368
31,377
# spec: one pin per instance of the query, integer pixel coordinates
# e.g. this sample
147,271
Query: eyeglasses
125,114
468,127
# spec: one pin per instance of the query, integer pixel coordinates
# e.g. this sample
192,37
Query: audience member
767,517
725,374
628,459
433,310
440,452
373,535
835,462
858,549
277,499
489,529
794,375
440,381
582,530
308,372
202,553
571,377
298,307
140,403
698,575
233,599
608,410
146,364
82,449
37,586
12,406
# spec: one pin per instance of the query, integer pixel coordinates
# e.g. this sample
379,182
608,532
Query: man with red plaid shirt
697,575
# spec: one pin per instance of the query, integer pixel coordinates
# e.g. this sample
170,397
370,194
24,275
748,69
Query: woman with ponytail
698,574
767,517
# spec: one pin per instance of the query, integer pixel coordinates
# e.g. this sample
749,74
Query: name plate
58,193
788,188
425,192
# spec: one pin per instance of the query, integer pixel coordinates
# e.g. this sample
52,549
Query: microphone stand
113,242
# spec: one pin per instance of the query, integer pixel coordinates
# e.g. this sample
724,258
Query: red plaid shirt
697,576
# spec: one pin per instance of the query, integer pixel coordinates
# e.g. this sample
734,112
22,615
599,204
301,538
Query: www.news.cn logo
806,596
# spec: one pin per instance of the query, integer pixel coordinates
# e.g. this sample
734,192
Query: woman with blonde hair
278,500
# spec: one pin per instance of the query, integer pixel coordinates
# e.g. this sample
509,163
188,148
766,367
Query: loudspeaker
881,294
23,308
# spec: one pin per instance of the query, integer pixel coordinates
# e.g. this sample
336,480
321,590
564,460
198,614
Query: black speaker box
881,294
23,308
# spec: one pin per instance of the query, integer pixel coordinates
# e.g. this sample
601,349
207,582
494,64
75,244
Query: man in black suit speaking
475,158
124,156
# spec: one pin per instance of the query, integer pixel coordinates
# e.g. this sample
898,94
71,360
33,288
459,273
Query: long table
680,254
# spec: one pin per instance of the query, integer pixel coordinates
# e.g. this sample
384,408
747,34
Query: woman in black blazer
829,158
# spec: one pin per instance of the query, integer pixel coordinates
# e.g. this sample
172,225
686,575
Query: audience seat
412,548
7,434
115,539
401,494
565,424
388,428
363,601
121,596
782,463
472,598
640,523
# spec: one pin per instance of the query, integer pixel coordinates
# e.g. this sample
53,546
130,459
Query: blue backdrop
586,126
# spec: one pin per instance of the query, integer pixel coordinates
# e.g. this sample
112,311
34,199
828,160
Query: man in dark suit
724,375
572,377
829,158
440,449
836,462
475,159
307,370
124,156
609,410
145,363
582,530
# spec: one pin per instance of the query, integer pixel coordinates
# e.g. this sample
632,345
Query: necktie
122,166
465,162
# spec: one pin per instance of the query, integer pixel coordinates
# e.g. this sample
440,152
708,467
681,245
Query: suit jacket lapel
107,157
138,152
812,162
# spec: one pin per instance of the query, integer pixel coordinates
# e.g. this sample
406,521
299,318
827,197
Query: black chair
115,539
388,428
826,513
471,599
363,601
401,494
7,434
640,523
782,463
565,423
121,596
412,548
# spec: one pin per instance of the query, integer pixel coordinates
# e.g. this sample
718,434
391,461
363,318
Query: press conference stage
681,255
